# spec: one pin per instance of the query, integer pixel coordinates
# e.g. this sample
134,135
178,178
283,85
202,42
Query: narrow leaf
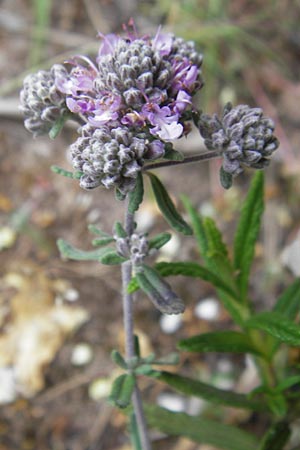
287,383
247,231
124,398
220,341
288,304
197,226
70,252
134,433
203,431
111,258
159,291
66,173
276,437
116,388
136,196
210,393
102,241
191,269
119,230
159,240
167,207
58,126
277,326
172,154
214,238
118,359
95,230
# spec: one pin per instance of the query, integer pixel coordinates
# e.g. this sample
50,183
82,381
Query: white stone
208,309
8,392
170,323
71,295
172,402
82,354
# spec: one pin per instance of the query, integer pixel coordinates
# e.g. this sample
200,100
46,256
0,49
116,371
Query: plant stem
129,337
188,159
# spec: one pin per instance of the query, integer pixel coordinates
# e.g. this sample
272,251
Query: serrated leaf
136,196
111,258
167,207
277,326
276,437
288,304
159,291
220,341
203,431
210,393
247,231
70,252
159,240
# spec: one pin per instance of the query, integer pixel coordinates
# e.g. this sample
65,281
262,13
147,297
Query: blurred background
60,320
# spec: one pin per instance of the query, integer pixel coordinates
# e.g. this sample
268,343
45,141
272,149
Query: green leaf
119,195
122,389
159,291
159,240
277,326
210,393
136,196
118,359
66,173
247,231
70,252
95,230
58,125
287,383
119,230
225,179
134,433
288,304
167,207
203,431
220,341
172,154
111,258
197,226
276,437
102,241
191,269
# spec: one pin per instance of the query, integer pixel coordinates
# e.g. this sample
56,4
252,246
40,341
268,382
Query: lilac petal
162,42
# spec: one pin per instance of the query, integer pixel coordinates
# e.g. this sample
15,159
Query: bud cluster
243,136
135,247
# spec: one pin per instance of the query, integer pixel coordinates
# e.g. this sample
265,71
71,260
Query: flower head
243,136
42,103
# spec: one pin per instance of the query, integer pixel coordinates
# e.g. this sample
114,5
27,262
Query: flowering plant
132,102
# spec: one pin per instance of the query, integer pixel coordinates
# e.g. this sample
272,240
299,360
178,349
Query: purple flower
166,125
185,76
109,42
183,100
162,43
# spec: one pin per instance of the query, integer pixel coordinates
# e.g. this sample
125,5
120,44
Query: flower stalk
129,336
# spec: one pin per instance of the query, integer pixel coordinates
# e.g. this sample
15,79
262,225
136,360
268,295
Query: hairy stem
129,338
188,159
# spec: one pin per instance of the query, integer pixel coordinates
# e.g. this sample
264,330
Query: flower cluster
135,97
243,136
